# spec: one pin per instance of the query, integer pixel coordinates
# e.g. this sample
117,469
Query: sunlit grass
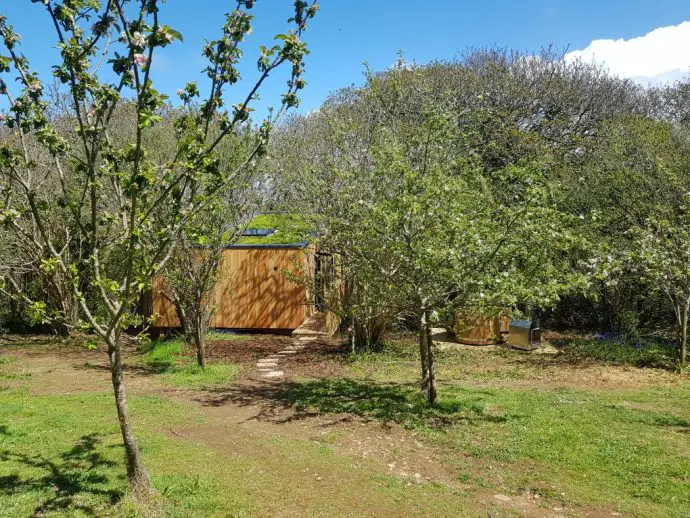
622,448
193,376
61,455
168,360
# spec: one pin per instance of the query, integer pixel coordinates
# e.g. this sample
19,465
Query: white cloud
660,56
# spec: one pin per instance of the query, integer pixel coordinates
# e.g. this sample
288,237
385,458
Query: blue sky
348,33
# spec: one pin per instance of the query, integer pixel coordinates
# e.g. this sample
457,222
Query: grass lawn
167,359
628,448
548,436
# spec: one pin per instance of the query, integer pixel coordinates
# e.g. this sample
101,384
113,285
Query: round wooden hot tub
473,329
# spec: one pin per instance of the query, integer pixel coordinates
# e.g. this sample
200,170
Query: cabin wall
252,292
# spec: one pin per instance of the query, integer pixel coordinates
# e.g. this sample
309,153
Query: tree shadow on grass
386,402
75,478
142,369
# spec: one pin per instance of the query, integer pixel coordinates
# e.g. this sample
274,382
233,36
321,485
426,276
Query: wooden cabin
254,290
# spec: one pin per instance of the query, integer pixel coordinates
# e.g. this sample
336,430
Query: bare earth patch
322,357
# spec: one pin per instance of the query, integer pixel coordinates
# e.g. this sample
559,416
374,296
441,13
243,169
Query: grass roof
290,229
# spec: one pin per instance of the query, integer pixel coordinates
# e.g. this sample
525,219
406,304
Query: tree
116,196
664,254
636,185
418,218
193,271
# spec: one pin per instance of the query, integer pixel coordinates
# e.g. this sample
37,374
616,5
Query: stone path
269,366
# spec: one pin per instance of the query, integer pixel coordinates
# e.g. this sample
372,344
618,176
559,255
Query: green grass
61,455
622,449
627,449
193,376
290,229
167,359
222,337
594,447
7,372
619,352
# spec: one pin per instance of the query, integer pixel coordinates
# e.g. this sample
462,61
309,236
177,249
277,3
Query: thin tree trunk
136,472
683,346
181,315
431,367
423,350
61,328
199,342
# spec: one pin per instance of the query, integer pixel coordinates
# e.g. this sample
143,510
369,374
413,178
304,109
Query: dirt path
244,418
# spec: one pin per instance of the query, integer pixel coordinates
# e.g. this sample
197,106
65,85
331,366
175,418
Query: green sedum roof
290,229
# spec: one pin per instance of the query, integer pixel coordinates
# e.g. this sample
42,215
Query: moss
290,229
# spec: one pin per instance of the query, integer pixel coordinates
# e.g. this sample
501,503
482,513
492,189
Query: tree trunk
136,472
181,315
423,350
61,328
199,342
683,343
431,366
427,358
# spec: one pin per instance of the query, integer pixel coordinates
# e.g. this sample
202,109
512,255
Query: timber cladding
252,290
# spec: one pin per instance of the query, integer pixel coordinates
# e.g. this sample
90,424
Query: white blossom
138,39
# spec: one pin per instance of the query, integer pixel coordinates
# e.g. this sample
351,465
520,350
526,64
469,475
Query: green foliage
620,351
635,193
421,222
143,191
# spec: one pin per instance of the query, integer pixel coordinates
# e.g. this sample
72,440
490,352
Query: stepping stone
306,338
288,352
266,365
273,374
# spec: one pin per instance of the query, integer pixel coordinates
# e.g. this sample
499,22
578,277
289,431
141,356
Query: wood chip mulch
320,357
